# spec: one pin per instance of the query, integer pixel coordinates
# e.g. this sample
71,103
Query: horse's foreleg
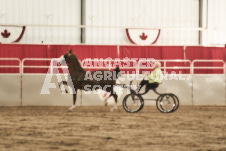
74,101
64,83
115,106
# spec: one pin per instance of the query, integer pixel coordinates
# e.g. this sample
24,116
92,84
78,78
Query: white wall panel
202,90
142,13
10,89
31,92
209,90
135,13
216,31
44,12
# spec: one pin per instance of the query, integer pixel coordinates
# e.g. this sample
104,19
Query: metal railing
223,67
164,67
193,67
11,66
51,66
135,64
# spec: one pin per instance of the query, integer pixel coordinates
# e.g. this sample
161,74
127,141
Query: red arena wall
191,53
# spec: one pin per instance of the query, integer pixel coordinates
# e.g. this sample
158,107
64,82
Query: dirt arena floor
95,128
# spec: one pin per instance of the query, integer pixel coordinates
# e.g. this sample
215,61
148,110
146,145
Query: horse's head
68,55
71,61
66,58
117,72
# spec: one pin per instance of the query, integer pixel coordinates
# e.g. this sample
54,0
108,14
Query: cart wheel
177,102
166,103
158,103
133,103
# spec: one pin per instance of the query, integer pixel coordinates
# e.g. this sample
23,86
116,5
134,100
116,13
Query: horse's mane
77,63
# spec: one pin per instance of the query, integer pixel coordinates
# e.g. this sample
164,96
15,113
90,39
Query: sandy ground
95,128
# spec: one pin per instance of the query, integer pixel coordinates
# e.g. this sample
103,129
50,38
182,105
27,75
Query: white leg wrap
71,108
114,108
106,100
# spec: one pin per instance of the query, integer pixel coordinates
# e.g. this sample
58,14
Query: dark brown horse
80,79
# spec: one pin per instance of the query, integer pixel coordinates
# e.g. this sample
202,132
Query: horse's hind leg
115,106
106,100
74,101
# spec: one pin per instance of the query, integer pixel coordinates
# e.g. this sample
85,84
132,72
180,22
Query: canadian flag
142,36
10,34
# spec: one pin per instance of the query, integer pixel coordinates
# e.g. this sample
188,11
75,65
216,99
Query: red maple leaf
143,36
5,34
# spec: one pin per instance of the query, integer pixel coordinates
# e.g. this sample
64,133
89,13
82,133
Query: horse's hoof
69,110
106,104
113,109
